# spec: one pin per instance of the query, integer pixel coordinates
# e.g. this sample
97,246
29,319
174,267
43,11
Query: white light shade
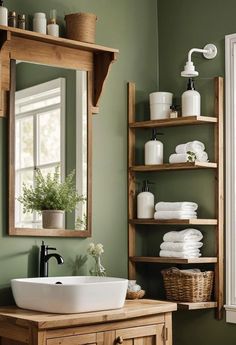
189,70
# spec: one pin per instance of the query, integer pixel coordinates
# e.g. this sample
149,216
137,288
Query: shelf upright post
131,179
219,195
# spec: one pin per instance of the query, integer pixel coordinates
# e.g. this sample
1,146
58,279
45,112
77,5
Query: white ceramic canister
40,23
3,14
160,103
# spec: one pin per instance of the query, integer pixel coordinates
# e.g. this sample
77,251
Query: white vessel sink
74,294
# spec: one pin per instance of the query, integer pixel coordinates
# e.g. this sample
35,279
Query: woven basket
188,286
135,295
81,27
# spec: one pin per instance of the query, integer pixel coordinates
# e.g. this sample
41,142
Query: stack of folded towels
183,244
189,152
175,210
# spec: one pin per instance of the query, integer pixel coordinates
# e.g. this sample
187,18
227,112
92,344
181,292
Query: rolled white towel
201,156
182,158
180,246
181,255
176,206
175,215
183,235
194,146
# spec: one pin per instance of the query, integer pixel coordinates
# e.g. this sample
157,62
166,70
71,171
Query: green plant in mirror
49,193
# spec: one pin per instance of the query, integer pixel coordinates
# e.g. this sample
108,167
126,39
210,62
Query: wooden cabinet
144,322
217,166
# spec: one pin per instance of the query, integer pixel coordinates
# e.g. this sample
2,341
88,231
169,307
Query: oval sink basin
67,295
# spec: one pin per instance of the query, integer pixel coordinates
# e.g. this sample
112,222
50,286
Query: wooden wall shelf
179,166
180,121
193,221
217,168
34,47
195,306
157,259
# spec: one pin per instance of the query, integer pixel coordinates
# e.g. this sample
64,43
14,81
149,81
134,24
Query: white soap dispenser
145,203
3,14
191,101
153,150
53,27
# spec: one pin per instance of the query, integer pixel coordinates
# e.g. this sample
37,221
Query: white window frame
81,140
52,84
230,76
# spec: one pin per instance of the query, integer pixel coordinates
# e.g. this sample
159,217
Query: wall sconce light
209,52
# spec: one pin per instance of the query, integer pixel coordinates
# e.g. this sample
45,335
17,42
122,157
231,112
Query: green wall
130,26
185,24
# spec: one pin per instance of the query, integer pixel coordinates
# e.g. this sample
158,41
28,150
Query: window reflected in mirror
50,138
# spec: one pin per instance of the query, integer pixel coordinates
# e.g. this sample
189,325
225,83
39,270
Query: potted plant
51,197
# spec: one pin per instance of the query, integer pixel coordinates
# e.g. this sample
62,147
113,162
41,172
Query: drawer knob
119,340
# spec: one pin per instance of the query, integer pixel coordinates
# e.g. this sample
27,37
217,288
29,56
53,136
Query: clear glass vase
98,269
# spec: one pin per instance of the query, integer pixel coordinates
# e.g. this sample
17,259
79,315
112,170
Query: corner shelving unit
217,166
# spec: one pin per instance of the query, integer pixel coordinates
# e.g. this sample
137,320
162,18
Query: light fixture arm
195,50
209,52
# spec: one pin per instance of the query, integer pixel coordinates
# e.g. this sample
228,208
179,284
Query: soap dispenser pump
153,150
191,100
145,202
3,14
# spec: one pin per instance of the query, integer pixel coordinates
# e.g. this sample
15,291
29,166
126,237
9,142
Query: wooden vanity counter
139,322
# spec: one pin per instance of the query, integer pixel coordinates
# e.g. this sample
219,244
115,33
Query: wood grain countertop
39,320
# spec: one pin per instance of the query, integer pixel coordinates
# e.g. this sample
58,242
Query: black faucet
44,258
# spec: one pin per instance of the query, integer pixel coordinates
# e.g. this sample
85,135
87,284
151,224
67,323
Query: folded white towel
175,215
194,146
201,156
182,255
182,158
176,206
180,246
183,235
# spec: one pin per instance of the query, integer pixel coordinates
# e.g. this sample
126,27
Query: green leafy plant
49,193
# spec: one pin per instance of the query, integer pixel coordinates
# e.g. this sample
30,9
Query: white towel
181,255
176,206
183,235
180,246
182,158
194,146
175,215
201,156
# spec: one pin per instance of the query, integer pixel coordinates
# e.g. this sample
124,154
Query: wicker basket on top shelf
187,286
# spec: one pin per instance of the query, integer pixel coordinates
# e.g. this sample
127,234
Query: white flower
95,250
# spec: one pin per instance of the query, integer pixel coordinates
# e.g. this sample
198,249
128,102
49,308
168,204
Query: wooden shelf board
157,259
195,306
178,166
65,42
193,221
180,121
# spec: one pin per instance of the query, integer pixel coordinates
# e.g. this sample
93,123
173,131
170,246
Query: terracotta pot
53,219
81,27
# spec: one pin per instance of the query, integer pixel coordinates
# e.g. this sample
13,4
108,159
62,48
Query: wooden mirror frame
27,46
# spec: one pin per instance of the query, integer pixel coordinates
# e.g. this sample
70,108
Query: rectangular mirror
49,134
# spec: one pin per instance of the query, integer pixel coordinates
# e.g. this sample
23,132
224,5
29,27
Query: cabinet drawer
74,340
